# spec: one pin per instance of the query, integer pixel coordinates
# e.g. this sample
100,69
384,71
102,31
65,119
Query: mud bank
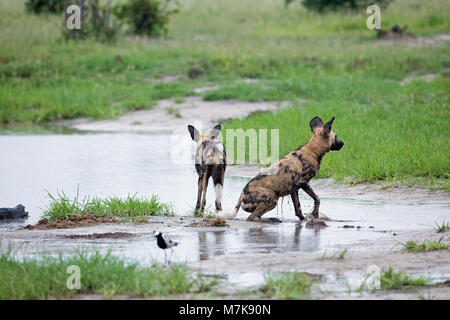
72,221
168,116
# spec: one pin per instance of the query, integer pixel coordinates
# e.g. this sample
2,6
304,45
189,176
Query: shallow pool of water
121,164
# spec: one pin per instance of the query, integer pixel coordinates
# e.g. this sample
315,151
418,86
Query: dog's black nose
337,145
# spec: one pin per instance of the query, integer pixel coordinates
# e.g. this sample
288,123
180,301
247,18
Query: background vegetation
324,64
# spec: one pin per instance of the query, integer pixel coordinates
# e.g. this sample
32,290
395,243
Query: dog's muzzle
337,145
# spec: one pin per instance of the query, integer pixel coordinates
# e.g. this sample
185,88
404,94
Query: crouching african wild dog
288,175
210,161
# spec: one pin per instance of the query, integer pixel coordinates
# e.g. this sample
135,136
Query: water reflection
290,237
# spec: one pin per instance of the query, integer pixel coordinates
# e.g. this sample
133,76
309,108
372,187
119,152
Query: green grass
208,212
131,207
45,276
286,285
390,279
174,111
424,246
337,255
326,65
443,227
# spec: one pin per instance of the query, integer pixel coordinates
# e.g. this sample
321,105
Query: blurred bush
146,17
97,21
49,6
325,5
101,21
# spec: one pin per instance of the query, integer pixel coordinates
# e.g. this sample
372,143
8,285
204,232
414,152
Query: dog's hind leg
206,176
296,202
218,176
261,210
307,188
199,193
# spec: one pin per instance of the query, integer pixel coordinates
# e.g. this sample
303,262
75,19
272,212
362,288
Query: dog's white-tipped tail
228,215
231,214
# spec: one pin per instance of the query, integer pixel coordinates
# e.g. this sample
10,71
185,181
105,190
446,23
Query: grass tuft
131,207
425,246
337,255
443,227
390,279
174,111
208,212
286,285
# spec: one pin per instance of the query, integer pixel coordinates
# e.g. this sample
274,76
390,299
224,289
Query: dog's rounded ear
214,132
195,135
327,127
315,123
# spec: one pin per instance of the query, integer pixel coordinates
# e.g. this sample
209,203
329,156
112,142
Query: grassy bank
44,277
326,65
391,279
129,208
388,134
286,285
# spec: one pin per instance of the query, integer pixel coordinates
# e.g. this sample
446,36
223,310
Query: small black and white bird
165,243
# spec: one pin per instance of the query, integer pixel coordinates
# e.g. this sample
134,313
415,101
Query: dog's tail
231,214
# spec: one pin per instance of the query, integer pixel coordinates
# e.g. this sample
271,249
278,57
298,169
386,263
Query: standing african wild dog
210,161
288,175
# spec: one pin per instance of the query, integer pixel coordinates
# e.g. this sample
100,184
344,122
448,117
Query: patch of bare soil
72,221
215,222
425,77
109,235
190,111
166,79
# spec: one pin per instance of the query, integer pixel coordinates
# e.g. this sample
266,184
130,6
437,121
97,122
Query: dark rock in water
13,213
316,223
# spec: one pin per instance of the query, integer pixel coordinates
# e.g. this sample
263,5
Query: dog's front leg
307,188
296,202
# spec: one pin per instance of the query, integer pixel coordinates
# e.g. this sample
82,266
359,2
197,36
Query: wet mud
72,221
108,235
212,222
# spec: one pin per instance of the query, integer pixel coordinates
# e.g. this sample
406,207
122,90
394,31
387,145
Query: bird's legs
171,254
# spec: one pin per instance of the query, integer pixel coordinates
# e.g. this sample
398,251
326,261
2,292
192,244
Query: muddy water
121,164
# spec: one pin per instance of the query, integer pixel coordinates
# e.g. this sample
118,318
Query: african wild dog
288,175
210,161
